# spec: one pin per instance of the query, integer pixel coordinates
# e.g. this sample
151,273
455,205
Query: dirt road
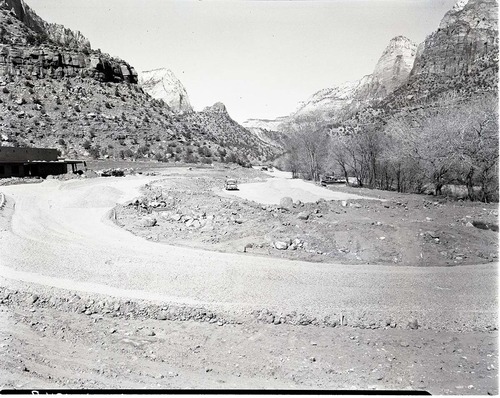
60,236
84,303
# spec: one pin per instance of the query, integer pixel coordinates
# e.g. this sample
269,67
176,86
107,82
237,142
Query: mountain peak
459,5
161,83
218,107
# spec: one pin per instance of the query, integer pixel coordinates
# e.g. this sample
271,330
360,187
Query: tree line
454,144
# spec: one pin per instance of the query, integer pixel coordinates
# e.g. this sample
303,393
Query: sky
260,58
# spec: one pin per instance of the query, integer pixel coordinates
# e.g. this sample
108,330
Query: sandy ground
58,235
272,190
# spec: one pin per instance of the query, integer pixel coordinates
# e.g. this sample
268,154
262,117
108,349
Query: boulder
280,245
286,203
148,222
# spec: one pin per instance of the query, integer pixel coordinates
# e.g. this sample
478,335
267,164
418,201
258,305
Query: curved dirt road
61,236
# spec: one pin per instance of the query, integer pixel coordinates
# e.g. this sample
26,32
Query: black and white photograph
249,196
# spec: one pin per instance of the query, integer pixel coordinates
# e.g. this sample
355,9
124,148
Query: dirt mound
359,227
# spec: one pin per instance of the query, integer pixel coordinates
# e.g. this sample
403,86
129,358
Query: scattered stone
304,215
176,217
413,324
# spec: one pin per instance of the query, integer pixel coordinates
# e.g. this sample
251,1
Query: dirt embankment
61,340
403,229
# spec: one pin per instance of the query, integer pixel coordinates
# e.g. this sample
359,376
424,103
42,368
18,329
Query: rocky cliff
461,56
392,70
467,35
45,52
163,84
54,32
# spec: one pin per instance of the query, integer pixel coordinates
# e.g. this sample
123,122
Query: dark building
34,162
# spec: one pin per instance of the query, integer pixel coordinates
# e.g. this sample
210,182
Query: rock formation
54,32
392,70
31,47
218,107
163,84
465,43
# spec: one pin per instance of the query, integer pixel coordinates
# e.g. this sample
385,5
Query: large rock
281,245
286,203
148,222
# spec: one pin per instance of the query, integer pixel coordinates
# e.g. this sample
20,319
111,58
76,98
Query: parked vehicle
329,180
231,184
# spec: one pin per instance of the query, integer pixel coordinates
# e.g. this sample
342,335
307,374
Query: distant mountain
459,59
331,105
265,124
216,125
391,71
163,84
267,130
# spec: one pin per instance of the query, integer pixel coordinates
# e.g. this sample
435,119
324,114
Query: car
231,185
328,180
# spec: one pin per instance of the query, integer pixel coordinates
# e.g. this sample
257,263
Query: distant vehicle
329,180
263,168
231,185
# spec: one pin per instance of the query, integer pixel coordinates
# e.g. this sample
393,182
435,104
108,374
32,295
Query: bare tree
307,146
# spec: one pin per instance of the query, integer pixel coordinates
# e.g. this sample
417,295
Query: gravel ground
64,259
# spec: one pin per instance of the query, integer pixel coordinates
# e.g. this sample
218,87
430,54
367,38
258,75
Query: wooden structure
35,162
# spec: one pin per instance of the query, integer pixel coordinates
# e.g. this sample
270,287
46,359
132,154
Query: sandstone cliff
463,53
45,52
392,70
163,84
